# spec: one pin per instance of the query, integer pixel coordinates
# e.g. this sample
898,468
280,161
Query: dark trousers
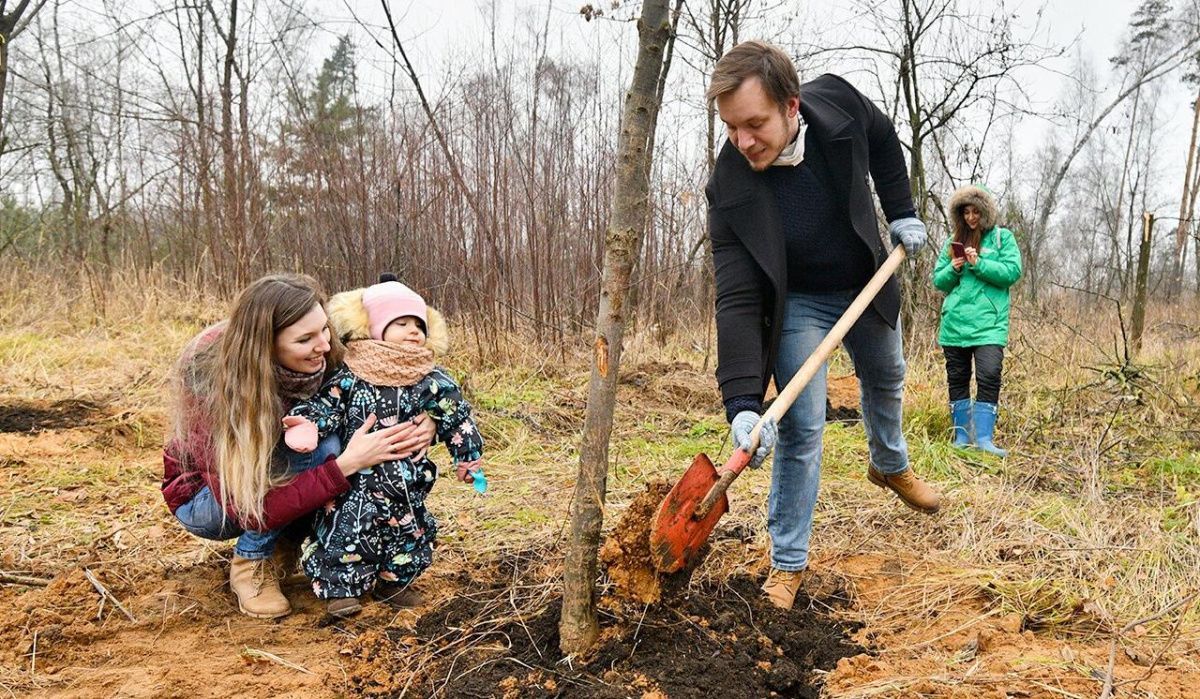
989,360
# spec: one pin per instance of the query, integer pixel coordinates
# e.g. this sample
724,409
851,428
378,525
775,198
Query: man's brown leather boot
912,490
782,585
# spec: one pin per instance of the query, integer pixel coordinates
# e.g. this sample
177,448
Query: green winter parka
976,309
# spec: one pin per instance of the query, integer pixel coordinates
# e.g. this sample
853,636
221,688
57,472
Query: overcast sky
439,34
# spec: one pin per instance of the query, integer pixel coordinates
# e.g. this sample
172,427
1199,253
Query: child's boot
256,586
984,416
400,596
960,415
342,607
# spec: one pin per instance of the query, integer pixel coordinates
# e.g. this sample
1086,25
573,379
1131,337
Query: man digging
794,239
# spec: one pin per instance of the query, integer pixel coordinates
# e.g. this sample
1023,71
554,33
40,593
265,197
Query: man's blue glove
910,233
743,424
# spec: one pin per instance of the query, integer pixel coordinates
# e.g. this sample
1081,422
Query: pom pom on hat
389,300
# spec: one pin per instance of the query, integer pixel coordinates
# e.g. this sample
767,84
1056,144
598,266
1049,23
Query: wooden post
1139,299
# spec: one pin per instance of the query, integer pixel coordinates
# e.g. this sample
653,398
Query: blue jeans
876,349
204,517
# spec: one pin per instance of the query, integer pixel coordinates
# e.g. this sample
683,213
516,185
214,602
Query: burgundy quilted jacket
283,504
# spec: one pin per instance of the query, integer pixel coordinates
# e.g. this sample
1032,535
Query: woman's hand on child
300,435
367,449
415,437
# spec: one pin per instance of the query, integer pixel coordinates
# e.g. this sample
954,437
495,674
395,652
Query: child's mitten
472,472
300,435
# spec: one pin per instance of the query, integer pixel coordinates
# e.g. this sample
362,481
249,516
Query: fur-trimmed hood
349,320
981,199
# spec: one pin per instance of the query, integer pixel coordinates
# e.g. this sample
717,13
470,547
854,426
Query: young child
379,536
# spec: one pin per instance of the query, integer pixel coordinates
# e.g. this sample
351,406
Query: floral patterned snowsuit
380,528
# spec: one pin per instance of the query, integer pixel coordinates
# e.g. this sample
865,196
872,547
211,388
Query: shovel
690,511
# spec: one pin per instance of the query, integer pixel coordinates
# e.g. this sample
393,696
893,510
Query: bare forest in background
205,143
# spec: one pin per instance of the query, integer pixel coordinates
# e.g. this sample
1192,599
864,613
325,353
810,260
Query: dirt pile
626,551
48,625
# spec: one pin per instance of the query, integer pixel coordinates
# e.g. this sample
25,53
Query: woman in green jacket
975,270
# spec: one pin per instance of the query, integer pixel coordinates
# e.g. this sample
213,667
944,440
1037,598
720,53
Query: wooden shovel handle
739,460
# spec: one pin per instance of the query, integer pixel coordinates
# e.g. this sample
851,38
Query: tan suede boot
782,585
256,586
912,490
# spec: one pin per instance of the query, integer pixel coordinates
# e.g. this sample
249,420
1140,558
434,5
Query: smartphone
957,249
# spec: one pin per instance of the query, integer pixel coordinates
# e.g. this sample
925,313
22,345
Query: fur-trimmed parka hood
981,199
349,320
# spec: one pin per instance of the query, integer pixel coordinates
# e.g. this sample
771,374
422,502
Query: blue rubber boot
984,416
960,414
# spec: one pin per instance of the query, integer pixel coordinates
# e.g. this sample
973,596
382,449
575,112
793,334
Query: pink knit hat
387,301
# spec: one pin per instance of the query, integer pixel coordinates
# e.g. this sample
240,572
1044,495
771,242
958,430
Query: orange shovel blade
676,535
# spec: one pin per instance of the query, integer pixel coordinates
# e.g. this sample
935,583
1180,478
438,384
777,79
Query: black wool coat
847,139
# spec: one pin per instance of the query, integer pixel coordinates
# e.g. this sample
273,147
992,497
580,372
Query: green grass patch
1178,516
510,392
21,345
929,419
1174,471
845,450
1053,513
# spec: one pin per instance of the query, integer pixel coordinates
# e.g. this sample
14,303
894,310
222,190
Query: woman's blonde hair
233,384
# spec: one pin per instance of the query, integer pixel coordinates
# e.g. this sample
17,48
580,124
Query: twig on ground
256,654
7,578
106,595
1171,638
1107,691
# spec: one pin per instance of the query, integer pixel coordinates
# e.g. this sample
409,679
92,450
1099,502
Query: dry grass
1092,522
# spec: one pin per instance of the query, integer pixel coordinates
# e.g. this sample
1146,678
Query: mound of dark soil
36,417
726,641
841,413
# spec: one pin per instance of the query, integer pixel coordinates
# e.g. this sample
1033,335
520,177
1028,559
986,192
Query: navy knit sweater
823,251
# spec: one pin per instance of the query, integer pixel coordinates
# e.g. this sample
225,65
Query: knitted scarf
294,386
389,363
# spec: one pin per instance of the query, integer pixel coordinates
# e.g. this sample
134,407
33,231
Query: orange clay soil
626,551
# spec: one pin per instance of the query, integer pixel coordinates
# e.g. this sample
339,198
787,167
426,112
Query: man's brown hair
756,59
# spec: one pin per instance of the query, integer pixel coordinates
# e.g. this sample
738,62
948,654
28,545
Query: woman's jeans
876,349
989,360
204,517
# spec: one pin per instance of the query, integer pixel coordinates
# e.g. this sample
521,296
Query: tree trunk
1138,320
234,228
3,82
578,628
1182,230
8,29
